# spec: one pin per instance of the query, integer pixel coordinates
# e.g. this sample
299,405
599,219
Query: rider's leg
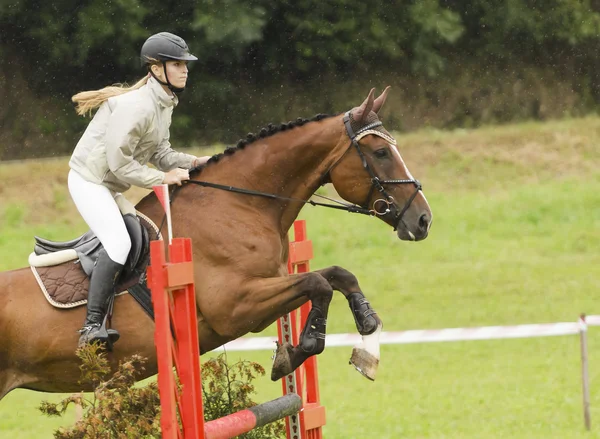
102,289
98,208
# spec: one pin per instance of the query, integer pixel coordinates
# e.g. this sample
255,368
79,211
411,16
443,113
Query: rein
352,208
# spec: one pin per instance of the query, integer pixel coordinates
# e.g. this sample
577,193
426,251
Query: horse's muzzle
417,232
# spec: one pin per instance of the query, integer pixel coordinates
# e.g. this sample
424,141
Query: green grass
515,240
526,388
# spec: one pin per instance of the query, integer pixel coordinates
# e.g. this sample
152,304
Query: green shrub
117,409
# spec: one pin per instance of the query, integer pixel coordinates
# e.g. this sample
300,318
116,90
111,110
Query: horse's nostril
424,222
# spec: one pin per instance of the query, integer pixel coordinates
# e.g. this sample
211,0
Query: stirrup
96,332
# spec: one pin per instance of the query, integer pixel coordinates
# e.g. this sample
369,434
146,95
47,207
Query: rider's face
176,70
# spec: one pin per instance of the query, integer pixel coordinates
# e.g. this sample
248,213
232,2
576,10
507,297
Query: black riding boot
102,291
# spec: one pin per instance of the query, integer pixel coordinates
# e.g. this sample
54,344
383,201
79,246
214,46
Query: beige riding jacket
127,132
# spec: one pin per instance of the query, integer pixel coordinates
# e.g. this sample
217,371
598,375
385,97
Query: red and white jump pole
176,339
303,381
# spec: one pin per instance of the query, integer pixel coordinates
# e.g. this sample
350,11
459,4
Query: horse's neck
290,164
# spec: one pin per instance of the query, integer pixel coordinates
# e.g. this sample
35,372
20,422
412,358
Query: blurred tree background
451,63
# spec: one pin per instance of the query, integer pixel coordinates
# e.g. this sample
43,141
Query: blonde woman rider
129,130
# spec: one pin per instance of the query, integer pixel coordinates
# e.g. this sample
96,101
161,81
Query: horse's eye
381,153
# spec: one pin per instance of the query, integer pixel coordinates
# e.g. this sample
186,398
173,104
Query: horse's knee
340,279
317,287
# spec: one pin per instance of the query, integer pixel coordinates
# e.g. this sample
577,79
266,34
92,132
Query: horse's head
372,174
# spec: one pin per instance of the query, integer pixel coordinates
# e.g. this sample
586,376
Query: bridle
376,183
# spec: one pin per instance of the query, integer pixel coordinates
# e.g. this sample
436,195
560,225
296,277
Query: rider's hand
176,176
199,161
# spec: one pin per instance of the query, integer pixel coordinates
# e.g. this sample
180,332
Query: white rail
432,335
458,334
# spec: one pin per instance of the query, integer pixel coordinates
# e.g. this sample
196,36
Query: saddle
63,269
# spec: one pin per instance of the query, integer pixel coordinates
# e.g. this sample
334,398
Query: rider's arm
165,158
125,128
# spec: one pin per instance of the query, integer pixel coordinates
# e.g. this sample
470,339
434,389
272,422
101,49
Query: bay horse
240,250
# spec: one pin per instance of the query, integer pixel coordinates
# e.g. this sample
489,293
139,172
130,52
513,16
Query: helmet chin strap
168,83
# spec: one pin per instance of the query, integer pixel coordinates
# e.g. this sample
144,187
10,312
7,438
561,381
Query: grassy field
515,240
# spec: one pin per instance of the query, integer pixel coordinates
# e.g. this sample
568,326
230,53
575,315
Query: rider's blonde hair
87,101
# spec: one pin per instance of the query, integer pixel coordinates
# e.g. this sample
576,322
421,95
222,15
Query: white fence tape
592,320
431,335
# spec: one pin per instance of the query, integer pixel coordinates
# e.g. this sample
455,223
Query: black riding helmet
163,47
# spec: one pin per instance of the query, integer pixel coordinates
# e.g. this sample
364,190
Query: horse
237,209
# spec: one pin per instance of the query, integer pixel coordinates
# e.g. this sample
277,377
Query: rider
130,129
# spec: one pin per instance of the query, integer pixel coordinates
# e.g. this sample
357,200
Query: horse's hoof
365,363
282,364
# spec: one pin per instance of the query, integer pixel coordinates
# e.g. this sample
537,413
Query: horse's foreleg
365,356
282,295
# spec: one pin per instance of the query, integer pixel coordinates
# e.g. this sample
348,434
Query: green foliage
266,58
437,26
529,27
230,25
117,409
321,36
290,39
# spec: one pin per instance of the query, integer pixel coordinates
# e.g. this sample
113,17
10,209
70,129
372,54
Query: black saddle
88,245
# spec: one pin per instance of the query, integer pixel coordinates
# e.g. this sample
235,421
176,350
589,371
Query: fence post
176,340
304,380
173,298
585,377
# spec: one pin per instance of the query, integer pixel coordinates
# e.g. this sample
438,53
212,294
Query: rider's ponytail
87,101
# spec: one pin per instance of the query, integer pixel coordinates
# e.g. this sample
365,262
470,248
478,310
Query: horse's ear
361,113
380,100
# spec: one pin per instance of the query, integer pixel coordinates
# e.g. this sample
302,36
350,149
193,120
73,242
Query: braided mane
268,131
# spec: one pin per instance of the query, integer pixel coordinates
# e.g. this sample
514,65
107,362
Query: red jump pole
245,420
304,380
176,338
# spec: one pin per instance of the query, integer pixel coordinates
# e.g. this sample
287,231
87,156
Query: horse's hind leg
365,356
10,381
5,387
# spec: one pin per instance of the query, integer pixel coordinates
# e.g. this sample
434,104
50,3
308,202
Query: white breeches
97,206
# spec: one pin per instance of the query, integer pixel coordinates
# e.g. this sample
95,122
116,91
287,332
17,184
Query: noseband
376,183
